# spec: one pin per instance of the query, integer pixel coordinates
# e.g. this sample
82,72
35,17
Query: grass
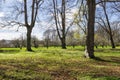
58,64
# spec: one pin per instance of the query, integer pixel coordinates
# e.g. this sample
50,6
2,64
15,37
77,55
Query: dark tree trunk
63,42
90,27
96,46
29,22
63,25
47,44
112,41
29,30
73,46
60,26
109,26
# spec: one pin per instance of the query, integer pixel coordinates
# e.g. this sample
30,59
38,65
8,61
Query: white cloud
9,36
70,15
12,33
20,0
2,14
98,6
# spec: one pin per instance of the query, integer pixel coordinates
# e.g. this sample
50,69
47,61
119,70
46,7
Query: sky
6,33
12,33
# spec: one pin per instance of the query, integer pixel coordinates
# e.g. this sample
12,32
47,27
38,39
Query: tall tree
86,23
35,5
61,35
90,28
61,9
109,26
104,22
25,14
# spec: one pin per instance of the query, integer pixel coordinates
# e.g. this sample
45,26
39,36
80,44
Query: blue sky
11,33
6,33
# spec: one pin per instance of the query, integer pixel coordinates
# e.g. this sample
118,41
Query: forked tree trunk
29,22
89,53
29,30
62,32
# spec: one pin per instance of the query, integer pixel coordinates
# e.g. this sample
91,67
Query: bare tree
60,8
81,17
104,22
35,41
109,26
116,6
73,38
57,22
101,37
25,14
47,37
29,25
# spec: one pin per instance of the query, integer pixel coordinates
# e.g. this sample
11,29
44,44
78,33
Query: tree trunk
109,26
63,43
63,40
112,41
90,33
29,30
47,44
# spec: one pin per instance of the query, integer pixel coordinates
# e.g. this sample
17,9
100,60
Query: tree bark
90,33
109,27
29,30
63,42
35,5
112,41
63,24
61,27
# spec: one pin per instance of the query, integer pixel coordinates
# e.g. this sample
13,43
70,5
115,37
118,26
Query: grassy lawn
58,64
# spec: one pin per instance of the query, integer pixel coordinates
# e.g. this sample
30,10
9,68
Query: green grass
59,64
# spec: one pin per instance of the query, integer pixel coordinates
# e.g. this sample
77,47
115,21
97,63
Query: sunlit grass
55,63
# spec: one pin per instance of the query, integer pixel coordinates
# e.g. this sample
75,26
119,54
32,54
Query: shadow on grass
115,49
107,50
112,59
105,78
9,51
